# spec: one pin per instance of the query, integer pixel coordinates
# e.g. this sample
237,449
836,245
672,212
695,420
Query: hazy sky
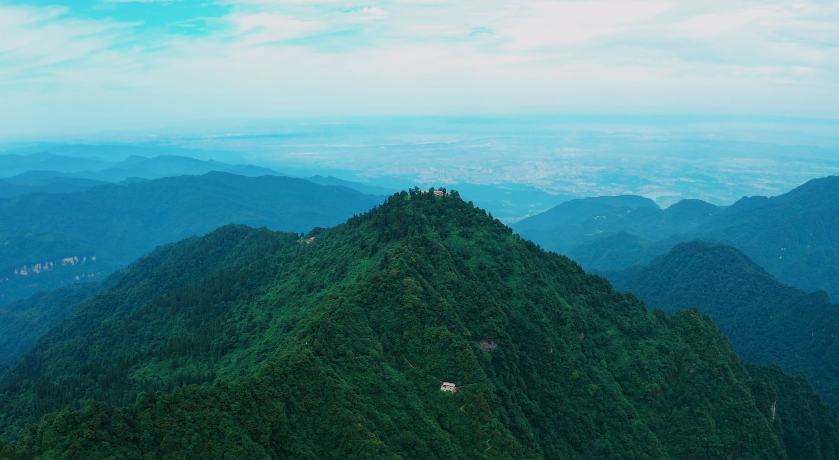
111,64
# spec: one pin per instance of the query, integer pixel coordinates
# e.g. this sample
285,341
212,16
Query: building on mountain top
448,386
310,240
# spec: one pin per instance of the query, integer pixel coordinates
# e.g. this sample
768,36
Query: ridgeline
766,321
266,347
49,240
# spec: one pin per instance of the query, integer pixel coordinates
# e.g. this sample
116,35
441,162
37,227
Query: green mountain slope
574,212
792,235
766,321
569,225
618,251
160,298
117,224
342,353
23,322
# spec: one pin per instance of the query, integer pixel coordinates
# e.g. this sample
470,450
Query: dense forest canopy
251,344
23,322
766,321
50,240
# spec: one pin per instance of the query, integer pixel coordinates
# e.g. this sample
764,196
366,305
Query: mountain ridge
766,321
342,353
791,235
117,223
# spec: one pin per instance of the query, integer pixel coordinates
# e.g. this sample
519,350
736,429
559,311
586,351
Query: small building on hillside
448,386
310,240
438,192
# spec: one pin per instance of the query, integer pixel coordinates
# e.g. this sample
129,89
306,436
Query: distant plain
665,158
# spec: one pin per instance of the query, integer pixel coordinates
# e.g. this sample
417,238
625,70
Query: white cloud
276,58
373,11
557,23
712,24
31,36
270,27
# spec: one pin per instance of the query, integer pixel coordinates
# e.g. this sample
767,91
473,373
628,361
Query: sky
85,65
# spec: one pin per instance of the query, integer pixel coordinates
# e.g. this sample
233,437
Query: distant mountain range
50,184
766,321
363,188
575,222
12,164
44,172
49,240
133,166
510,202
24,174
792,235
422,328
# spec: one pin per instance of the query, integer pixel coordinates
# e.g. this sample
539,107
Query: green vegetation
23,322
121,340
571,224
766,321
118,224
618,251
792,235
337,349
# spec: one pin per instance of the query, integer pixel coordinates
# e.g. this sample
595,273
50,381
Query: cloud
373,11
261,28
714,24
540,24
39,37
133,1
285,57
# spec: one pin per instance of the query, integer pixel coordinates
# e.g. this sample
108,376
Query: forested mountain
792,235
573,223
23,322
110,347
338,349
48,240
618,251
766,321
574,212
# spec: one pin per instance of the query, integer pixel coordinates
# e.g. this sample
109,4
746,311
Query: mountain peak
341,348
